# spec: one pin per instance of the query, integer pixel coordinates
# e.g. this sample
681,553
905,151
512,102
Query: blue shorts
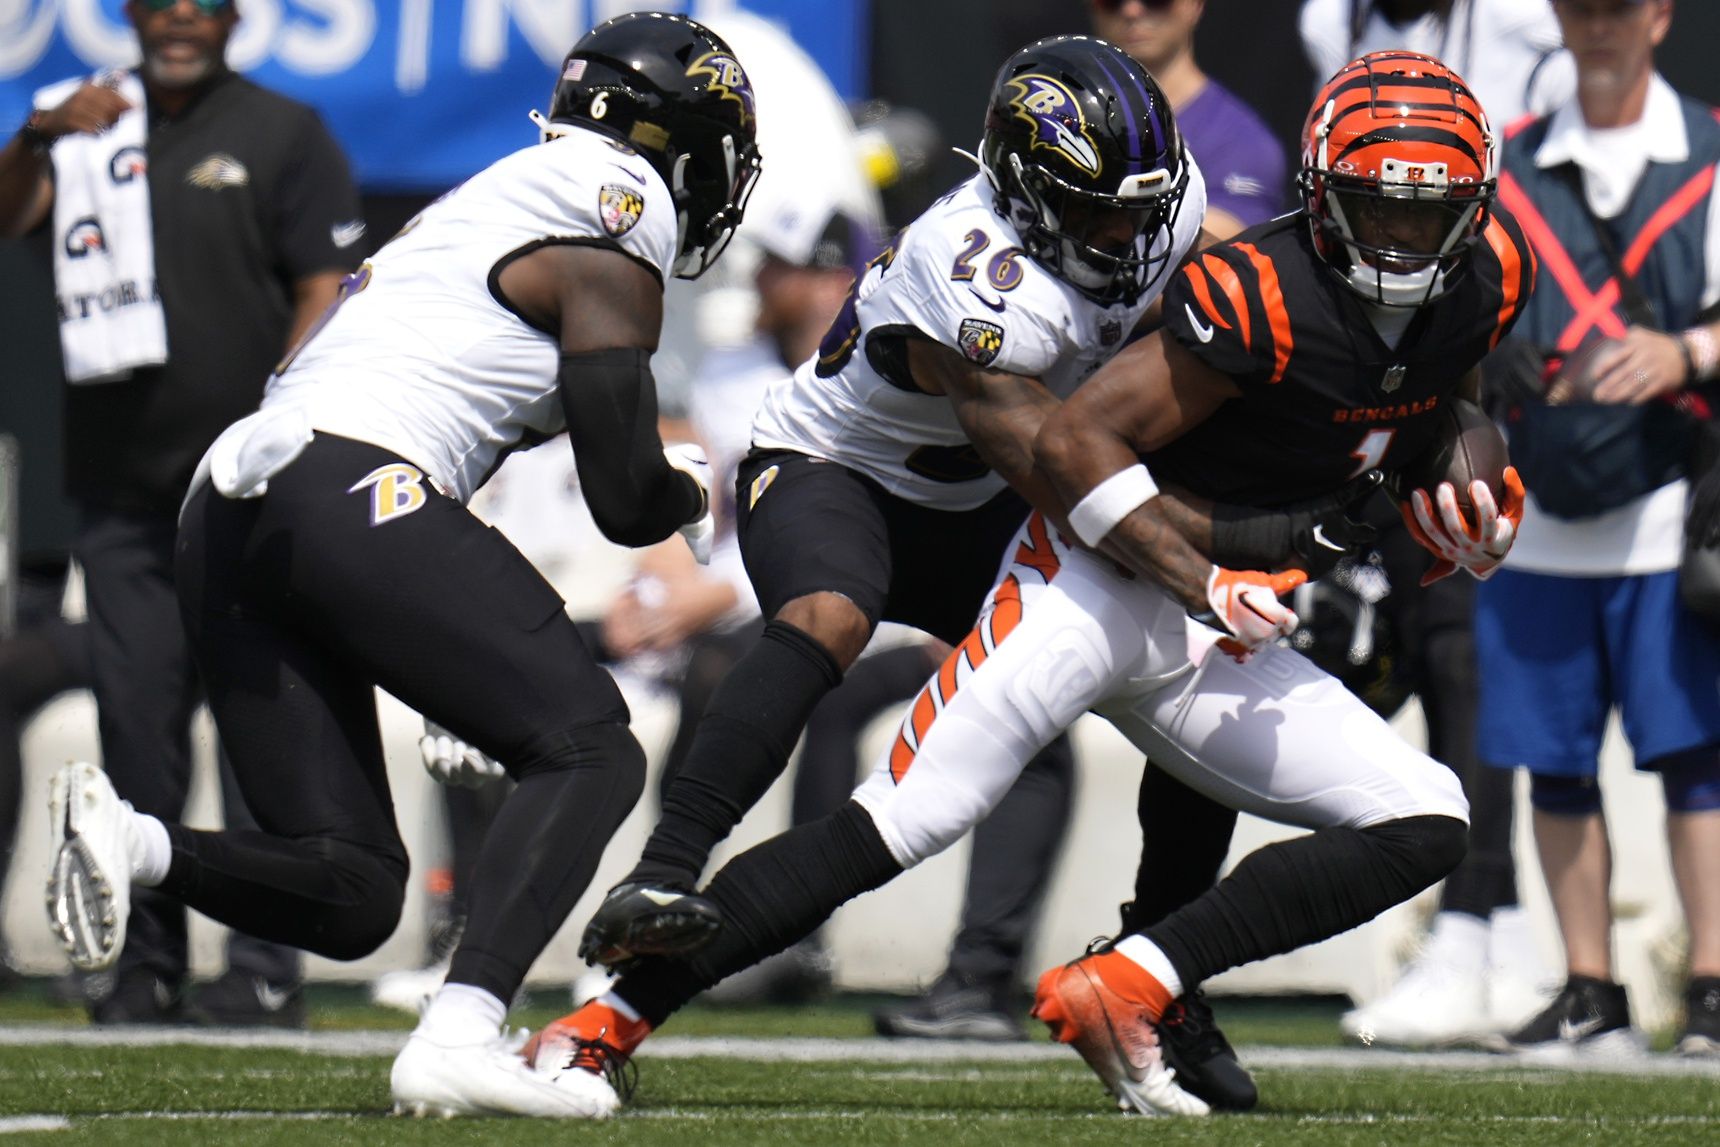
1555,654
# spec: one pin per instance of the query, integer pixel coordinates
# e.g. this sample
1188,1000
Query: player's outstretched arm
607,309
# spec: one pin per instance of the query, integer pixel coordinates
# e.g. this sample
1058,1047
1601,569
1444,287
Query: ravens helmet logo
1056,117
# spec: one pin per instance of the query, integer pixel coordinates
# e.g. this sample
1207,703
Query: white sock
151,852
462,1014
1511,942
619,1005
1459,940
1152,958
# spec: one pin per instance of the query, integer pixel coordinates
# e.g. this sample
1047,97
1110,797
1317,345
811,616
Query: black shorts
818,526
299,602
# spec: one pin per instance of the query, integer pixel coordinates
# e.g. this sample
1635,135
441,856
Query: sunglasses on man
1116,5
207,7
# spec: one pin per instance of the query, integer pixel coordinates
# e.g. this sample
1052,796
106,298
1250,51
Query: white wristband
1110,502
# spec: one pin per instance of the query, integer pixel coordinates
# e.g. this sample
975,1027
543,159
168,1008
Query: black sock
1298,891
771,896
1185,836
1487,879
741,747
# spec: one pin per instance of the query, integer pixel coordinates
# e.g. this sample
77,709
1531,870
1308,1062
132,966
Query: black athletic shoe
241,1000
140,997
1589,1018
954,1007
640,919
1205,1063
1701,1018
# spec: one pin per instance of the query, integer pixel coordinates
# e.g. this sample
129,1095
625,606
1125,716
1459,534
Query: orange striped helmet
1398,169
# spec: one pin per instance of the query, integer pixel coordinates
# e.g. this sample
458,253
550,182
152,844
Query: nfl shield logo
619,207
1393,378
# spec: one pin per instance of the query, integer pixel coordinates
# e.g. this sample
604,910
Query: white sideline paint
386,1043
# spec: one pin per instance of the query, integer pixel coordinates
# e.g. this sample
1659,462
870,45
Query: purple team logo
127,164
85,236
1056,117
728,79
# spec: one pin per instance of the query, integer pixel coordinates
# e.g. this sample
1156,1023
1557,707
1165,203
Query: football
1469,448
1577,376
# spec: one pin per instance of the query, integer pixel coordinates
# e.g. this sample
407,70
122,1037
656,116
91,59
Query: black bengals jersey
1323,397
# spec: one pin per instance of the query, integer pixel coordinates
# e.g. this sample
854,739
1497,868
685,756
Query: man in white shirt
1615,191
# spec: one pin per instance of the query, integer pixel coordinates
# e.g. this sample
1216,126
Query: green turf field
696,1093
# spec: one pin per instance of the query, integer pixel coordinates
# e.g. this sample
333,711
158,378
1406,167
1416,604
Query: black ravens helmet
672,90
1086,161
1345,631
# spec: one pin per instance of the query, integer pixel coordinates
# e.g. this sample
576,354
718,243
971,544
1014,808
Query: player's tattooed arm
1150,394
1001,412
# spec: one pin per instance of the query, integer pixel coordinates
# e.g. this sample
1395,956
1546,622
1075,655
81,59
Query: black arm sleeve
610,400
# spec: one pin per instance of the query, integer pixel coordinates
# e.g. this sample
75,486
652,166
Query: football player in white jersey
325,549
879,487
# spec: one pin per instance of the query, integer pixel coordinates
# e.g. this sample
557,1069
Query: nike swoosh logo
997,306
636,178
660,899
272,998
1320,537
1201,330
1570,1032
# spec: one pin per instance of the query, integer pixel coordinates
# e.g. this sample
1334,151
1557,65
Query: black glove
1313,534
1329,529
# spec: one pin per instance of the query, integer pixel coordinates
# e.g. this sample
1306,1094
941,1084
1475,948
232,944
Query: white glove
689,459
1441,527
451,761
1246,604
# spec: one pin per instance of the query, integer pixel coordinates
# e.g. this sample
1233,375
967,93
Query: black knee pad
1425,848
368,913
607,745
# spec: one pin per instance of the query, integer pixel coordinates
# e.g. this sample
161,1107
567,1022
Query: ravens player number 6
325,549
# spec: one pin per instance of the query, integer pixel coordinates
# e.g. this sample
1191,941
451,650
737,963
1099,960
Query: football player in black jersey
1303,354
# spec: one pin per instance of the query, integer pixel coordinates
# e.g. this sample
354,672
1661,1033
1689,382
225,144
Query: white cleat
1433,1003
408,990
89,885
431,1080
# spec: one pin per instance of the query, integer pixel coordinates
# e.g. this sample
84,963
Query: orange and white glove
1439,524
1245,603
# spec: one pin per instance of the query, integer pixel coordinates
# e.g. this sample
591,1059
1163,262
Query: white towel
111,319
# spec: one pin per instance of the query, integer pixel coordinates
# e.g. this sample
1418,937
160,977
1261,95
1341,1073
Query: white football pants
1066,632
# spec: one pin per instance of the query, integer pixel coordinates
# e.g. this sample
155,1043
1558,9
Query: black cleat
241,1000
1205,1063
638,919
1701,1018
955,1007
1589,1018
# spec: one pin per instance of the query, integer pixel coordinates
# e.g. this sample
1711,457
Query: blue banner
421,93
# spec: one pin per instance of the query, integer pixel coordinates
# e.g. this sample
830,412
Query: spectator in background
1244,164
177,293
1508,50
1586,616
1014,850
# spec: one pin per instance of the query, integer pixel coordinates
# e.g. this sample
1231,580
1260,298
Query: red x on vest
1598,308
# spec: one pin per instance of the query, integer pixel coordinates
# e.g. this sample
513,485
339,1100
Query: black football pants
298,604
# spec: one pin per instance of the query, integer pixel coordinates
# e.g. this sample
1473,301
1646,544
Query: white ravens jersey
958,275
423,358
